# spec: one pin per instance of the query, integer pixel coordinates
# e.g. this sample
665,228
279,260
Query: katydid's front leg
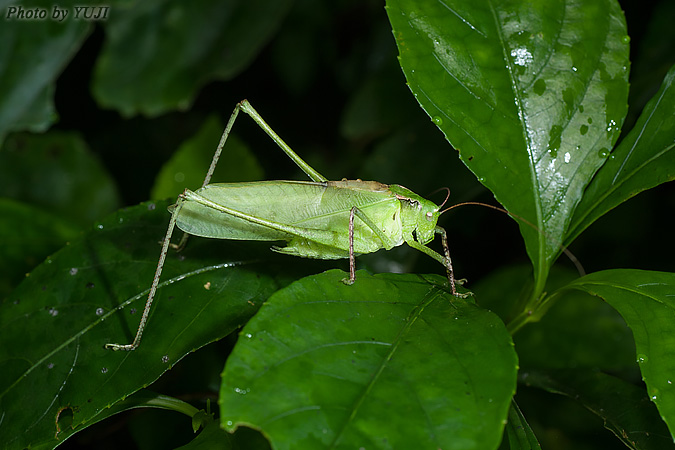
445,260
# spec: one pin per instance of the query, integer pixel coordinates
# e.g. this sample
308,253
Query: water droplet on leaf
539,87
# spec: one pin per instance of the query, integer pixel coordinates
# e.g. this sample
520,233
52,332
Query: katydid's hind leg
352,263
184,238
246,107
221,144
214,162
155,282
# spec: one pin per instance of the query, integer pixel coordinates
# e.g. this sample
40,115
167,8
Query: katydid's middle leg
352,263
356,212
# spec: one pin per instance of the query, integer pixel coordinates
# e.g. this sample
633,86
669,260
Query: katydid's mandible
321,219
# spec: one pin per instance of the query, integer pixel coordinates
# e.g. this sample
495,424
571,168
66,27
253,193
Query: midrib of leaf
632,289
540,271
432,295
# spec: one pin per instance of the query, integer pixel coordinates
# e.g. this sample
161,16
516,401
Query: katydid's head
418,215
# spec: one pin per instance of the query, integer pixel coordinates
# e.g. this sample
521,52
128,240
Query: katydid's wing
279,203
202,220
293,211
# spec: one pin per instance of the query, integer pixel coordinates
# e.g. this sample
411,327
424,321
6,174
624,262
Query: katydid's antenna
447,189
567,253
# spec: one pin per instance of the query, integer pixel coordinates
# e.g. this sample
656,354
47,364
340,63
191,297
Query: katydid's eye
430,216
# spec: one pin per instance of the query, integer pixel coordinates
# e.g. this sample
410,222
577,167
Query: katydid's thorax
372,186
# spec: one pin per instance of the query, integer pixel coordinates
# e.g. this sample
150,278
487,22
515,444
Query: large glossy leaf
158,53
532,94
624,407
393,361
32,55
645,158
646,301
53,363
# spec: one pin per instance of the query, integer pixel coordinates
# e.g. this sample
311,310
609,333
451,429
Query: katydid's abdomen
312,217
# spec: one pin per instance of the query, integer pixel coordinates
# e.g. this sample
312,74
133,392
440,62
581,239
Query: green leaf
645,158
518,435
57,172
646,302
212,437
33,54
624,407
187,167
159,53
528,92
56,323
393,361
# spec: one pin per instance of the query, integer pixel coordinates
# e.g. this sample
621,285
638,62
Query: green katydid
318,219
